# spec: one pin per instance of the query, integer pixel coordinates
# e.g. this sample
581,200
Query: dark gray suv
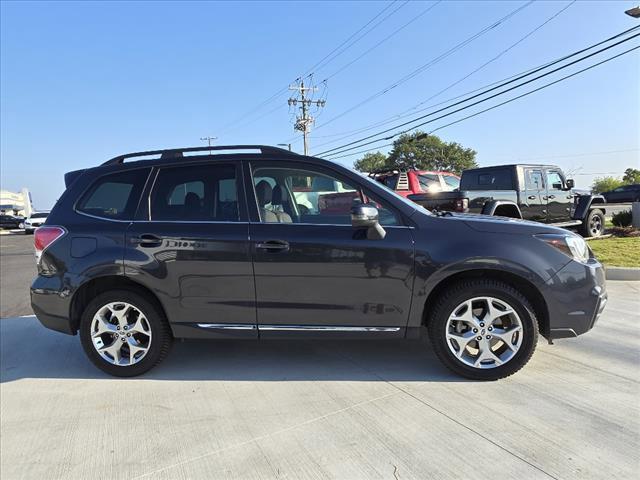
258,242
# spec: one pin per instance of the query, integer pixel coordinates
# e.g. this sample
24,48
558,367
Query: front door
193,250
532,205
559,199
313,271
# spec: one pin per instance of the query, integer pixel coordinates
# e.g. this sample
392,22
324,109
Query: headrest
264,192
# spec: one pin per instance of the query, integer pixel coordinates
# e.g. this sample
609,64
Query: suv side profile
259,242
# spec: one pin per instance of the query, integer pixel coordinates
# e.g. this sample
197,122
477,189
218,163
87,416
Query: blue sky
82,82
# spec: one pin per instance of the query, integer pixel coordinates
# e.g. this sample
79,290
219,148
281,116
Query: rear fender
510,207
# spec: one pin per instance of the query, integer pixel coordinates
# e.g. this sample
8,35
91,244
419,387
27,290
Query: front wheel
483,329
593,225
124,333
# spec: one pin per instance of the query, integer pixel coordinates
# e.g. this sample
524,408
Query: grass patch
617,252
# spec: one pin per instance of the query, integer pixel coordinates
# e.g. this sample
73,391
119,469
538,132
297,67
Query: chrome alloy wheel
595,226
484,332
121,334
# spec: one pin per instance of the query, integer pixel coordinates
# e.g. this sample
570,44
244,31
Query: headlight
571,245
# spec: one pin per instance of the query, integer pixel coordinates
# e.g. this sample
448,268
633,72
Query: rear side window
114,196
498,179
197,193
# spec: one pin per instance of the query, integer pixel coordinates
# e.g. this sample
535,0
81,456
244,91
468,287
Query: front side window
195,193
554,180
114,196
452,182
292,195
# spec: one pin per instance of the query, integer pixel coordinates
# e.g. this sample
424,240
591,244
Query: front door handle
552,196
532,197
147,240
273,246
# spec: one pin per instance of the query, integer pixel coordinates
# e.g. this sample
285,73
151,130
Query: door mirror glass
570,183
366,216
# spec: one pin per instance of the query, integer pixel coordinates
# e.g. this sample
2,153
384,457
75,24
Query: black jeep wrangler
540,193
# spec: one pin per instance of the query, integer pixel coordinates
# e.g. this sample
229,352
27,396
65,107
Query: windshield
429,182
395,194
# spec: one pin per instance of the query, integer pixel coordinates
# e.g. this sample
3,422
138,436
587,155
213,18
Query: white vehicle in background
33,221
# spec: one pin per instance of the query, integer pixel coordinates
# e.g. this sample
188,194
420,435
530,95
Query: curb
622,273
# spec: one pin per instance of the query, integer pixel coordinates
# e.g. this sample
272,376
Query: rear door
532,205
559,199
191,248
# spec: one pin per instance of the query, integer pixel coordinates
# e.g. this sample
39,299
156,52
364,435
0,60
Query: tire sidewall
587,226
438,324
159,332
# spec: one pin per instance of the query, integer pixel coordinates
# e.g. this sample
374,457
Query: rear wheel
124,334
593,225
483,329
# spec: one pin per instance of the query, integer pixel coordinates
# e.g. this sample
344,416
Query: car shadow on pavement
27,350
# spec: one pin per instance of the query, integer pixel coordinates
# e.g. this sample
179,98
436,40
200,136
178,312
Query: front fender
584,203
482,266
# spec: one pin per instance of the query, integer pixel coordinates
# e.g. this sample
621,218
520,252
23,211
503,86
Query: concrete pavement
323,410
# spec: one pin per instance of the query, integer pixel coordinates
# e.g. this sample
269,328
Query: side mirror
366,216
570,183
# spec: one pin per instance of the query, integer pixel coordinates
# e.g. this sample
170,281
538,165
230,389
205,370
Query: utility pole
305,120
208,139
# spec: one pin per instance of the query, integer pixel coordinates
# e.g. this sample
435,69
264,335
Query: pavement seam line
448,416
266,435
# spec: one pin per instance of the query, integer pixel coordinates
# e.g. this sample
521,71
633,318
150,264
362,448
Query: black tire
593,225
467,290
161,337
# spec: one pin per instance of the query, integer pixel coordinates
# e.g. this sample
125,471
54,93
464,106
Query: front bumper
576,297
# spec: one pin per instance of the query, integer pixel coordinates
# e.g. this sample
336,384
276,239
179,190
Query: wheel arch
502,208
524,286
88,290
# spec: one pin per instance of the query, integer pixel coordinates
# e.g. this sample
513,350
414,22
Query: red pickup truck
410,182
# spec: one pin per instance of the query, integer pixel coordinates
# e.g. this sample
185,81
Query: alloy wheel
120,333
484,332
595,225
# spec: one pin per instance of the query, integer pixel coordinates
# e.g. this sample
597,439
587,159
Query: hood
490,224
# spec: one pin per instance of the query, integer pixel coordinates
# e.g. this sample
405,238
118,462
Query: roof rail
179,152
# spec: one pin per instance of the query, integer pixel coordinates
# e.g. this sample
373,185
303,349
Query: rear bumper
576,297
50,300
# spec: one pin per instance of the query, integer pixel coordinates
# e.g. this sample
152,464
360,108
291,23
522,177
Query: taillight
462,204
45,236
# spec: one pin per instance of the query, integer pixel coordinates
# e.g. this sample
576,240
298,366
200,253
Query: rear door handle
552,196
147,240
532,197
273,246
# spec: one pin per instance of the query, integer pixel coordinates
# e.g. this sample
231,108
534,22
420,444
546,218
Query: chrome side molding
322,328
228,326
295,328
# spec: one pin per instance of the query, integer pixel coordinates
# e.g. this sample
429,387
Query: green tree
428,152
605,184
631,176
371,162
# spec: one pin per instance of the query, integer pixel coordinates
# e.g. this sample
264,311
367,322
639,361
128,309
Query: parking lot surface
321,409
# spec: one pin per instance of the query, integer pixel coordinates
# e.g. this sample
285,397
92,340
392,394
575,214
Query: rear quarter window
114,196
495,179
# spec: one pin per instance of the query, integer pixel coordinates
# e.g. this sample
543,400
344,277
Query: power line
342,148
413,110
431,62
392,34
505,102
329,58
323,62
